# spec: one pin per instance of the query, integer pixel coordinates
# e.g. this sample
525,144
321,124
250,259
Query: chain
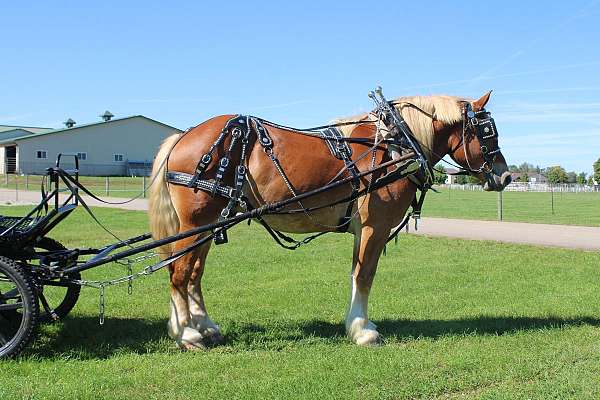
129,278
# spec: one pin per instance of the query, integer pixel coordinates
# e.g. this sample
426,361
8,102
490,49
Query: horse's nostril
506,179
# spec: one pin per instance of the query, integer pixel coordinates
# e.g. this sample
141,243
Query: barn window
118,157
41,154
82,156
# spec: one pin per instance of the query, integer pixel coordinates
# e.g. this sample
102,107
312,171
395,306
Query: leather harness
240,128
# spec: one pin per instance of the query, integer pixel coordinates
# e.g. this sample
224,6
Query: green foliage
525,167
524,177
461,179
581,178
597,171
473,179
557,174
439,178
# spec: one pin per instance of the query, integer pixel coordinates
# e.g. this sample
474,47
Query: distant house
109,147
531,177
451,179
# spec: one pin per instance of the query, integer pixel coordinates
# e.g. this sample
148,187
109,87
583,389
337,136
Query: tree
581,178
597,171
591,180
461,179
524,177
526,167
557,174
571,177
473,179
439,174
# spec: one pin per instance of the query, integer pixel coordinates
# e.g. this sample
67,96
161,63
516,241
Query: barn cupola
107,116
69,123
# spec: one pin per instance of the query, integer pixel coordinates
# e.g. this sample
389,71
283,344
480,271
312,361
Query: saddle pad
339,148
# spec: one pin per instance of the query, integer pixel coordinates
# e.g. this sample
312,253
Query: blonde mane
446,109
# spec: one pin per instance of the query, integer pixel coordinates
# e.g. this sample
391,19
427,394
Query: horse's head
473,144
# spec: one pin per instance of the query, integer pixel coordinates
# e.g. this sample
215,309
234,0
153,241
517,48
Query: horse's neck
443,141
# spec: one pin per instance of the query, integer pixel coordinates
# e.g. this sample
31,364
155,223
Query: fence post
107,186
6,179
16,188
552,195
500,206
26,182
144,185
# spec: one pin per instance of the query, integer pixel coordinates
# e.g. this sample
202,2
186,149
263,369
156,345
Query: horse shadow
403,329
81,337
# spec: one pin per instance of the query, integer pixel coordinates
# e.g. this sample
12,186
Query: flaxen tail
163,217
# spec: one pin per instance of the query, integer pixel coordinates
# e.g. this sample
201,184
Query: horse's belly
326,219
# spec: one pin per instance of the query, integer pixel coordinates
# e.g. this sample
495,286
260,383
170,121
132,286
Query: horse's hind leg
180,325
209,331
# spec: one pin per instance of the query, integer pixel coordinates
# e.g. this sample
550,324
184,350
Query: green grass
461,319
536,207
117,186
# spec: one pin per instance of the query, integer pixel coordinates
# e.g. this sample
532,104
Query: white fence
533,187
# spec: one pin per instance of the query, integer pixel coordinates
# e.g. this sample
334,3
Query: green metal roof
51,132
14,133
32,129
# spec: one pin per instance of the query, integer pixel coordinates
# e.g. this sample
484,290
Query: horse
438,123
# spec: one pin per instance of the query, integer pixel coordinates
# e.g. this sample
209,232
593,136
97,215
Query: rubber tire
72,293
29,322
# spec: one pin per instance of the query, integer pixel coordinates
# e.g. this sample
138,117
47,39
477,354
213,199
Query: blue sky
304,63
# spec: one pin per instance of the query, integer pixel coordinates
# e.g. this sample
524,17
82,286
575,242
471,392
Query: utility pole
500,206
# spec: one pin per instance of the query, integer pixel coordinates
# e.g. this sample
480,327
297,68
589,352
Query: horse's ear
482,101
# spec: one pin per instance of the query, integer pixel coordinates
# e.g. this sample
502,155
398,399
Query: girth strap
342,151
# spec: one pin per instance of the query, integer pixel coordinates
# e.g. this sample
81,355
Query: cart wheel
60,295
18,308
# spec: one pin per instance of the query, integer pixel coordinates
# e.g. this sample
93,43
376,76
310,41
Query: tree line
554,174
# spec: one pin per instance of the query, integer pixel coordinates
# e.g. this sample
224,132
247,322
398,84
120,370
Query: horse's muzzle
497,183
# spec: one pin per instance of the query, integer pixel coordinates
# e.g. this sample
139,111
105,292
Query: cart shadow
81,337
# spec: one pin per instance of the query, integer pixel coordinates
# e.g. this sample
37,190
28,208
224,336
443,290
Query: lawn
114,186
536,207
461,319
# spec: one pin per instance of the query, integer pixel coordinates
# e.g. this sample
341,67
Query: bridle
483,125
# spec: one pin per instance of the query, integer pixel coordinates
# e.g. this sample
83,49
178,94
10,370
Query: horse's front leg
368,245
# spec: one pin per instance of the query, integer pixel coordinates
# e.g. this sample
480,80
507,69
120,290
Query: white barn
120,146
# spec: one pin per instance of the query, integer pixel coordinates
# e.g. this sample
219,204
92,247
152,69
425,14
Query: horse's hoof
190,339
187,346
368,337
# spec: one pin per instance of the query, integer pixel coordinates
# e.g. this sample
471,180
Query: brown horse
437,122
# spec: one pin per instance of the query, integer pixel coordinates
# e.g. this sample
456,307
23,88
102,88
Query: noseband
482,124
